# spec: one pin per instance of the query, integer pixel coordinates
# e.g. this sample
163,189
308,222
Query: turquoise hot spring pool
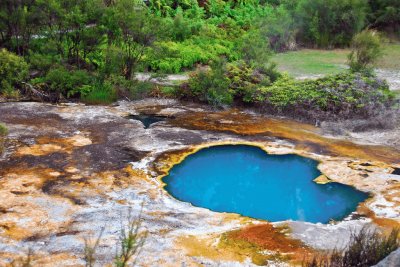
246,180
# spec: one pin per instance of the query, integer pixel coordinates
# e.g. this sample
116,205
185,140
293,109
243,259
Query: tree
366,49
19,21
134,31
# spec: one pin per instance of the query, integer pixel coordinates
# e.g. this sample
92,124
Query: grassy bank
313,62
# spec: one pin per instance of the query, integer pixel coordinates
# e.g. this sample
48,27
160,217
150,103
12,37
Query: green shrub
99,93
366,49
366,248
343,95
173,57
169,91
130,89
244,80
67,82
13,70
330,23
209,86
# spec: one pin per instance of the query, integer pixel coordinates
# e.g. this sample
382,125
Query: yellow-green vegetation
13,69
310,62
344,95
3,134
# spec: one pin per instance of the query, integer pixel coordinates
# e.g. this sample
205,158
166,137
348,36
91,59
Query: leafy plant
366,49
13,70
64,81
209,86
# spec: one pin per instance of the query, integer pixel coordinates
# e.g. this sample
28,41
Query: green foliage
385,15
13,70
245,79
99,93
330,23
279,28
130,89
366,248
223,83
169,91
64,81
366,49
209,86
342,95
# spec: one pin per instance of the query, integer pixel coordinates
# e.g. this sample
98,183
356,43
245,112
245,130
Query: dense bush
13,70
346,95
66,82
366,49
343,95
224,83
330,23
385,15
209,86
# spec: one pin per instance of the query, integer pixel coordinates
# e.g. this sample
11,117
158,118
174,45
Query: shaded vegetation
366,248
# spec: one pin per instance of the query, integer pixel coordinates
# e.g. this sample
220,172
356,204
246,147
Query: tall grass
366,248
101,95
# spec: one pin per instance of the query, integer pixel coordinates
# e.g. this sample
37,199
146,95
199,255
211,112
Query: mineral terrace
70,170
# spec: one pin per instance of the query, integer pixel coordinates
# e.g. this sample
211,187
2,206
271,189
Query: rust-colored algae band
304,136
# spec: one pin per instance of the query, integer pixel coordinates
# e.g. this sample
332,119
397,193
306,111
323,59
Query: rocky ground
70,171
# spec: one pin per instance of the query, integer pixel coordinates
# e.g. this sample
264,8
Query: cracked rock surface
70,170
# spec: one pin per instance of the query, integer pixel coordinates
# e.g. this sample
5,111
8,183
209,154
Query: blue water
246,180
